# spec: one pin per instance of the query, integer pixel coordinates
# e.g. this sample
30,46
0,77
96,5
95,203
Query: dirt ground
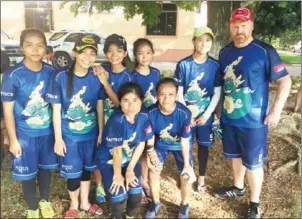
281,195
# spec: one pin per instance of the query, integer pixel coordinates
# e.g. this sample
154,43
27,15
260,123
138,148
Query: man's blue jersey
169,129
119,132
198,81
116,80
79,111
246,75
27,88
148,84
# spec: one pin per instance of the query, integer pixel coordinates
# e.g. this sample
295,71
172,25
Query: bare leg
186,189
255,179
238,172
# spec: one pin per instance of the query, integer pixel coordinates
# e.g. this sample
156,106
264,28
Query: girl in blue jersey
147,77
200,88
112,75
28,121
170,122
75,94
123,142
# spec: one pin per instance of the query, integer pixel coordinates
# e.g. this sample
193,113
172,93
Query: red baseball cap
243,14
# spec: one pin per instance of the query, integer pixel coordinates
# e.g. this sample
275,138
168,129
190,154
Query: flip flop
94,210
71,213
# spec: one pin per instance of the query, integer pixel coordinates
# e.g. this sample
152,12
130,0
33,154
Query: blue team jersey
198,81
116,80
33,115
148,84
118,131
246,73
169,129
79,113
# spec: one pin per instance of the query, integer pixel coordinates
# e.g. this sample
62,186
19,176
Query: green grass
290,58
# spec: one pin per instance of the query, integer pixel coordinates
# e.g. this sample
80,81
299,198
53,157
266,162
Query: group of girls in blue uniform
118,124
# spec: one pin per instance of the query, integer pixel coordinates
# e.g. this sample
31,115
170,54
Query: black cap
117,40
84,42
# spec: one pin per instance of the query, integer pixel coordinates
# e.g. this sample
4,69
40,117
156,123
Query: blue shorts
163,154
37,152
203,134
249,144
80,155
107,173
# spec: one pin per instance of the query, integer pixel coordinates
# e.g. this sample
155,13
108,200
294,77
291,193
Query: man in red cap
248,66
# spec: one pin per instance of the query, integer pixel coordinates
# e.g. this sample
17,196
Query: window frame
30,12
176,25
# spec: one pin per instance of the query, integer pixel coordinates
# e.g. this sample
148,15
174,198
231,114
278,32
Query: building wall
12,18
167,48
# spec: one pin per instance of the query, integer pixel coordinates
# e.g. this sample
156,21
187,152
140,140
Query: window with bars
166,26
38,14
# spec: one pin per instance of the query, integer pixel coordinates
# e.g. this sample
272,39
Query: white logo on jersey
52,96
6,94
113,139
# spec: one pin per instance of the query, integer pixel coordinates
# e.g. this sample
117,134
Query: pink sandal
71,213
94,210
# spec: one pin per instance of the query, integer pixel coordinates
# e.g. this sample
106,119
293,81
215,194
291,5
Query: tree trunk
219,13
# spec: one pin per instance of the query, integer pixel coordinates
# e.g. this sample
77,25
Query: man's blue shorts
107,174
37,152
80,155
249,144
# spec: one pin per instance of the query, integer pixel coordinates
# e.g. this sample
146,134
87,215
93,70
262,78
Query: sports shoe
46,209
100,194
253,212
153,210
32,213
229,192
217,130
183,211
202,189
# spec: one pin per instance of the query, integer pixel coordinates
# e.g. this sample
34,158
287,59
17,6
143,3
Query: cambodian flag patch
148,130
188,129
279,68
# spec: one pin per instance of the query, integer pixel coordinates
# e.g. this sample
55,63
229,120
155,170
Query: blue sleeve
54,90
186,129
275,67
179,74
10,86
113,133
218,79
102,93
